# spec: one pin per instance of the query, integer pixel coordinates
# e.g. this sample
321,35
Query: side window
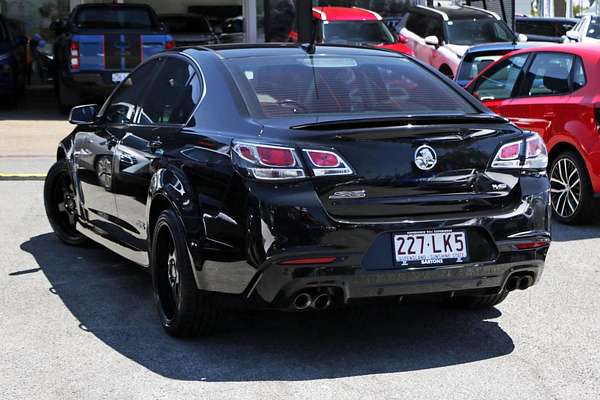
416,23
173,95
548,74
124,104
578,74
433,27
499,82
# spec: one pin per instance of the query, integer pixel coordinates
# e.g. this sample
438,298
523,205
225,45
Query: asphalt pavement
79,323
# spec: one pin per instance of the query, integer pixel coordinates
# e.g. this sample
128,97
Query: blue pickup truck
99,44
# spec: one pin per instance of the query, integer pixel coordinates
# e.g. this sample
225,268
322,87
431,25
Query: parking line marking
10,176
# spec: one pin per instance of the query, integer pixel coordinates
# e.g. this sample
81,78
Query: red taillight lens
266,162
325,159
309,261
276,157
402,39
75,55
531,245
169,45
510,151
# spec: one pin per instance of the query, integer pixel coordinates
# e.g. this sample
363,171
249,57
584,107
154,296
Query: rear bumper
244,257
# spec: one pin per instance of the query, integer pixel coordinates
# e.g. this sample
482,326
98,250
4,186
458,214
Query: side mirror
522,38
83,115
573,36
432,41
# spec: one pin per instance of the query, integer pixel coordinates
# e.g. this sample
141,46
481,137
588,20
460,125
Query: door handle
549,114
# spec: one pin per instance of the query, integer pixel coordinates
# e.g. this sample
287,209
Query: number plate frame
431,262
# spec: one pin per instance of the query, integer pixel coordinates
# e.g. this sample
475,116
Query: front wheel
60,204
184,310
570,189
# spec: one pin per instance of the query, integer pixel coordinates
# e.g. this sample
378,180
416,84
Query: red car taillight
270,162
169,45
75,55
402,39
534,156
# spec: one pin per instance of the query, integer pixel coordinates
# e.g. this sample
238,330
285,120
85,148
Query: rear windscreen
473,66
103,17
362,85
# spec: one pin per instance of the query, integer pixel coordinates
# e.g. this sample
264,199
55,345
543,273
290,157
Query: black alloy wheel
184,310
60,204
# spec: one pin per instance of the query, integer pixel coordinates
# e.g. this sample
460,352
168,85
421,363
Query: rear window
361,86
103,17
594,28
349,32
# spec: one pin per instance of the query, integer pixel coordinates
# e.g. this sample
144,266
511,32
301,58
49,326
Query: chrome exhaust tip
525,282
513,283
302,301
322,301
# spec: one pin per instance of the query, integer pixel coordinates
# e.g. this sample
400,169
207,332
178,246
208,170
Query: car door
497,86
94,152
165,109
546,91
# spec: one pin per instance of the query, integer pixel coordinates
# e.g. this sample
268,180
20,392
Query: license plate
118,77
430,247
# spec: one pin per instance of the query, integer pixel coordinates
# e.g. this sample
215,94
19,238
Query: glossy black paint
239,229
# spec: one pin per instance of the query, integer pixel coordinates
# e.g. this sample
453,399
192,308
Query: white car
587,30
440,36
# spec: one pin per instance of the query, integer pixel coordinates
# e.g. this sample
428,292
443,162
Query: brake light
327,163
266,162
402,38
532,245
511,155
169,45
75,55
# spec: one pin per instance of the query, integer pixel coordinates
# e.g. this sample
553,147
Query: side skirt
138,257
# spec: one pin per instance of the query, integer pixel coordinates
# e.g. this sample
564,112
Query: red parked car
555,91
355,26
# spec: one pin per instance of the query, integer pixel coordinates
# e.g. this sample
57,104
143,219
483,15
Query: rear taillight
529,154
402,38
270,162
169,45
75,55
327,163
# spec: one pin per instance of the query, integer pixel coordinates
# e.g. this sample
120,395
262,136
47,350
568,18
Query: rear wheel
478,301
447,71
60,204
184,310
570,189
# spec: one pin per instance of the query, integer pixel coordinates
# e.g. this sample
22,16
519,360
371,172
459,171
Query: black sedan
302,178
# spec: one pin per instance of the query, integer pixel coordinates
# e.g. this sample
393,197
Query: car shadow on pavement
112,299
37,104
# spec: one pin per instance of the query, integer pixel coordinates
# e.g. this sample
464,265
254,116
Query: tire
447,71
184,311
478,302
572,203
60,204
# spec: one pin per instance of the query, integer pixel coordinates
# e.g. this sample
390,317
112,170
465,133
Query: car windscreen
594,28
477,31
361,86
186,25
473,66
348,32
108,17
